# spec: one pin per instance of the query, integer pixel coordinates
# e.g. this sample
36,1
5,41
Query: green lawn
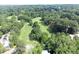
36,19
42,27
25,31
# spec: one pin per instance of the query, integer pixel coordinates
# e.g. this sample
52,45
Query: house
73,35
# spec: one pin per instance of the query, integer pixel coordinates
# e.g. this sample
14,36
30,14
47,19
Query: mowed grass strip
25,31
42,26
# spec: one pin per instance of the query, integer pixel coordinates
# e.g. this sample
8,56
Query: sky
34,2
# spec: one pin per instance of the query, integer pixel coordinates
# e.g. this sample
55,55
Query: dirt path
10,51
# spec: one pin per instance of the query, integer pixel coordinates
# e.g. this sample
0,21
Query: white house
73,35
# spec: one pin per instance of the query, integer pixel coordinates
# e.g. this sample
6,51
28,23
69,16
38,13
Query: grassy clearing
9,17
24,36
25,31
36,19
42,27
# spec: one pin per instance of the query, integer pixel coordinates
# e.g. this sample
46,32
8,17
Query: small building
73,35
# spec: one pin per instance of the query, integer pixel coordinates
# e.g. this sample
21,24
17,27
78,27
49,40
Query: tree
36,25
2,49
66,15
25,18
13,39
1,33
36,32
20,47
61,43
76,40
37,49
44,39
64,25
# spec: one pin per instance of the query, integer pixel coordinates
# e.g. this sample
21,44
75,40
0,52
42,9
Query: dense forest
31,29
